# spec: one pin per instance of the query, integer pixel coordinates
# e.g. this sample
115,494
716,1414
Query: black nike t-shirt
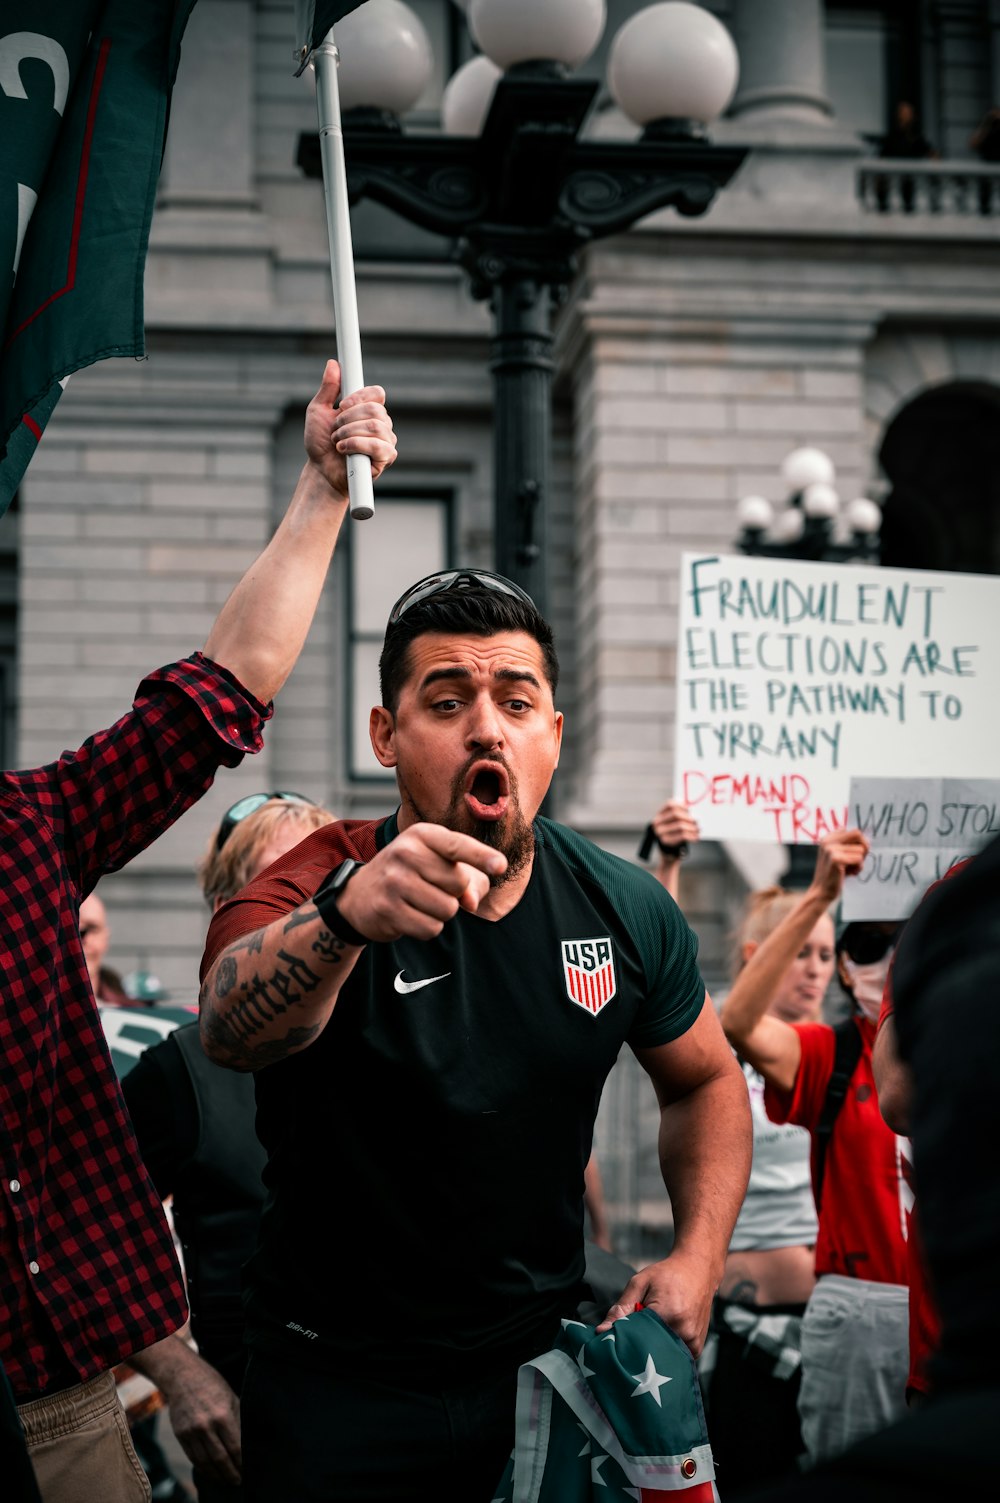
426,1153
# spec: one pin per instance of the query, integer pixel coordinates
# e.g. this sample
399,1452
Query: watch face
337,878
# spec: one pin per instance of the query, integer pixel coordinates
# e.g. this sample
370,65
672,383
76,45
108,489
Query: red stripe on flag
81,193
30,423
703,1492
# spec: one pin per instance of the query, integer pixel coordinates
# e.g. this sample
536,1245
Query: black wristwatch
327,900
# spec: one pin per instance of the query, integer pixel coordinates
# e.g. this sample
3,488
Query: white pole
338,222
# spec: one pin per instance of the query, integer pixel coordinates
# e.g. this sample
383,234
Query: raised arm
261,628
768,1043
272,993
705,1144
674,828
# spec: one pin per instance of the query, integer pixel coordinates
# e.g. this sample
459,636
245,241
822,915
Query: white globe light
755,513
466,100
820,500
807,467
788,526
527,31
385,57
673,61
863,516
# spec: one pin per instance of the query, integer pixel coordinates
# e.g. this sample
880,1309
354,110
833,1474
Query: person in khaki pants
87,1264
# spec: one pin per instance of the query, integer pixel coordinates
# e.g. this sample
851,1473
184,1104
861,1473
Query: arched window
941,453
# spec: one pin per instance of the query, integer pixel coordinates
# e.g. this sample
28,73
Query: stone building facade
693,355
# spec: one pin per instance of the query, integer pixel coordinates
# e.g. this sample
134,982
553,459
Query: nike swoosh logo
414,986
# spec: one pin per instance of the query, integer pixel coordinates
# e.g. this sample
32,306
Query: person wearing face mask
854,1335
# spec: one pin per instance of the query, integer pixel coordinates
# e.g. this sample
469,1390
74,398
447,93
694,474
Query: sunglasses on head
249,804
456,579
866,946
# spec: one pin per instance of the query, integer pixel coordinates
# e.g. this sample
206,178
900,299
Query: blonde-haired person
251,836
752,1387
854,1335
195,1125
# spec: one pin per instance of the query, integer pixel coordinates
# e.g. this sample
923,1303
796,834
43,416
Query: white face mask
867,982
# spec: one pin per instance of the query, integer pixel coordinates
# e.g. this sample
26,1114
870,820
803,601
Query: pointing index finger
456,847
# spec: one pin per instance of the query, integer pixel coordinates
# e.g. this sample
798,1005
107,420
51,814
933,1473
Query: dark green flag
315,17
84,91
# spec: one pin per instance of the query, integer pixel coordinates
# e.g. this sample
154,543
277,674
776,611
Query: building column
209,237
782,60
209,153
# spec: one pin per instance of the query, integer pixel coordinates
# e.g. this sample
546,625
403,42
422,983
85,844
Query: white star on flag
649,1381
581,1362
585,1448
595,1471
633,1492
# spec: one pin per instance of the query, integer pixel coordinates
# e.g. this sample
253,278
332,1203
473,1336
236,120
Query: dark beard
512,835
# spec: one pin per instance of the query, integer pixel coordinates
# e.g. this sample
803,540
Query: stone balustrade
889,186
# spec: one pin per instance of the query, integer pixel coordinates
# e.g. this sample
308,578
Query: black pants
753,1419
312,1438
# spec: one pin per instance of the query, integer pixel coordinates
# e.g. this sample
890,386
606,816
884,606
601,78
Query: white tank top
778,1210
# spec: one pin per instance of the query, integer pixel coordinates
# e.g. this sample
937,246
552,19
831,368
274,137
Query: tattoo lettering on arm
329,947
326,945
255,1001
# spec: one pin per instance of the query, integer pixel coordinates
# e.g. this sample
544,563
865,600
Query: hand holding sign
673,824
839,855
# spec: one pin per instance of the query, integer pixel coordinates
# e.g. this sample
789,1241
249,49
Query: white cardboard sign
918,828
794,678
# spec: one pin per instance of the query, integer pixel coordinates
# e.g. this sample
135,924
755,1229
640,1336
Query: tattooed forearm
248,1005
256,1056
263,998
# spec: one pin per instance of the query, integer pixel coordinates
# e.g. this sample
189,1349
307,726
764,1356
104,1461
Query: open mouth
487,790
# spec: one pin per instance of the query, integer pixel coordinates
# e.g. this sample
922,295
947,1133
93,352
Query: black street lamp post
520,200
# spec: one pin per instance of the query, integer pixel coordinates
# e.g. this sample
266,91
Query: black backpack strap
846,1053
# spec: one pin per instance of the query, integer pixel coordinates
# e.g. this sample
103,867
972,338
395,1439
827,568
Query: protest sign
918,828
793,678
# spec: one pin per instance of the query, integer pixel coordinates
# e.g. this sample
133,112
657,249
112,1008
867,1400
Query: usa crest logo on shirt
589,968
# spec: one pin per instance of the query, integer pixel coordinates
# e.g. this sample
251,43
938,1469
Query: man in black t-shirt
433,1003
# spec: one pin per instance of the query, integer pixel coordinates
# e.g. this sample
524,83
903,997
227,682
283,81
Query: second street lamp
521,198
